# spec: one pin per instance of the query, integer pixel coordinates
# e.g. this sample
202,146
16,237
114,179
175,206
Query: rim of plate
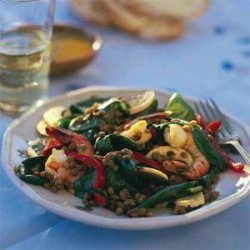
72,213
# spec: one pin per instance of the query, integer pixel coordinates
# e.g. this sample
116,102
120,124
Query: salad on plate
128,156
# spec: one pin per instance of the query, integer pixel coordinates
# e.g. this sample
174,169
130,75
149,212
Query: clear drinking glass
25,35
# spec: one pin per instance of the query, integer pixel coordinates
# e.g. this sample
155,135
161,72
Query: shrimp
55,166
184,139
65,136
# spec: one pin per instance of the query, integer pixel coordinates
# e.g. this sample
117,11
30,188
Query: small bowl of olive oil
72,48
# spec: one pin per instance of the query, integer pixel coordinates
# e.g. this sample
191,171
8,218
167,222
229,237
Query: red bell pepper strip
99,199
51,143
214,126
201,122
88,160
141,158
235,166
100,174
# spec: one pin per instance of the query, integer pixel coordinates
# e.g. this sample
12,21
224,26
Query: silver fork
210,111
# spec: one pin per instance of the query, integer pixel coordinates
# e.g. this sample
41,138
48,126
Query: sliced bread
145,26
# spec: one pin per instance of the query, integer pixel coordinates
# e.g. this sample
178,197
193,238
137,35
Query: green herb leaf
180,108
218,164
84,184
115,142
33,164
115,180
80,107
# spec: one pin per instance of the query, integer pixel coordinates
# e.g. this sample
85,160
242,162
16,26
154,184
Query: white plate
233,187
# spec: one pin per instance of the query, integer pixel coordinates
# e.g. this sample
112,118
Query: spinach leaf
113,142
80,107
208,179
90,134
201,140
84,184
180,108
33,179
128,169
81,124
30,165
65,121
113,179
117,181
112,105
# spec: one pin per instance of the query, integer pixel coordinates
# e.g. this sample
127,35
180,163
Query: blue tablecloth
212,59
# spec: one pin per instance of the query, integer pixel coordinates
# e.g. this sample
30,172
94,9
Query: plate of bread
155,20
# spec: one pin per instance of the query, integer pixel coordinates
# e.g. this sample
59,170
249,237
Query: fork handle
241,150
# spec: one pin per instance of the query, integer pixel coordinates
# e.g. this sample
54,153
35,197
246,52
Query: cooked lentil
119,211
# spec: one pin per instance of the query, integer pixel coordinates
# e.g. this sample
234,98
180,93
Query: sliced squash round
41,128
191,201
170,153
152,174
138,132
52,115
141,102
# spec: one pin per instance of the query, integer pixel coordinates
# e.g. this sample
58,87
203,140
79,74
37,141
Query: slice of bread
92,10
145,26
183,9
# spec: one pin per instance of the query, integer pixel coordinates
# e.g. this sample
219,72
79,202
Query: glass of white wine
25,35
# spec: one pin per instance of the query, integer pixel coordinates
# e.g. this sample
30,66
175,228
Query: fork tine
210,110
222,117
204,111
197,108
221,133
216,116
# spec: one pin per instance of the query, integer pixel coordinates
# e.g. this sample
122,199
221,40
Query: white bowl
233,187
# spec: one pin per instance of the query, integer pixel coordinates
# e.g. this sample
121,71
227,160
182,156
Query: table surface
212,59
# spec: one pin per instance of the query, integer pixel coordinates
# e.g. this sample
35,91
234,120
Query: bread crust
196,8
91,10
145,26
